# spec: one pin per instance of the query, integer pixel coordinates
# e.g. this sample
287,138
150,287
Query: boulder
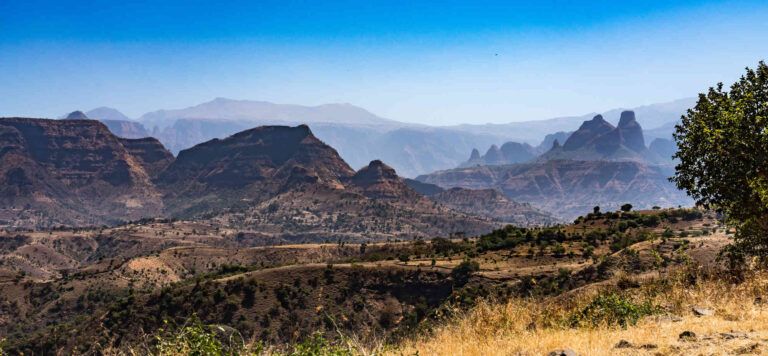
700,311
687,336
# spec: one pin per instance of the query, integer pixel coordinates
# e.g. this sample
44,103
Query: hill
570,188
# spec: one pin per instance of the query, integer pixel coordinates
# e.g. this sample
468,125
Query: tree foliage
723,158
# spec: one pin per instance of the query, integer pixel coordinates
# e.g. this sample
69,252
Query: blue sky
430,62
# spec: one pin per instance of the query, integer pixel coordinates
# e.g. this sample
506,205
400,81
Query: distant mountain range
278,181
598,164
570,188
597,140
361,136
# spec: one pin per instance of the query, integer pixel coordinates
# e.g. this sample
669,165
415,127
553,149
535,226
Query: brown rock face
70,172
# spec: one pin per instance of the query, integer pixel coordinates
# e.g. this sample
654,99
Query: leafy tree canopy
723,152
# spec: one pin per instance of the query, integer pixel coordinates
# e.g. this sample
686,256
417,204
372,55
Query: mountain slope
491,203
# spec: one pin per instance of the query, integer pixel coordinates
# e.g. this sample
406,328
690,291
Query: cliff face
149,153
631,131
71,172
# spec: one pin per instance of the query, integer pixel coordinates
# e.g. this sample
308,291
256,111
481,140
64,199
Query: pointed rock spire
475,155
631,131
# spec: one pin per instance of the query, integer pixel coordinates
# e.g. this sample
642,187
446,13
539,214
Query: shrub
611,309
464,270
199,339
318,345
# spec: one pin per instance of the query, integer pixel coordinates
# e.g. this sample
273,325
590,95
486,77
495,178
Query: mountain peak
77,115
588,131
106,113
378,163
627,118
596,121
474,155
380,181
262,154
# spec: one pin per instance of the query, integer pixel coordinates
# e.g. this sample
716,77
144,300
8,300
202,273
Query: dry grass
533,327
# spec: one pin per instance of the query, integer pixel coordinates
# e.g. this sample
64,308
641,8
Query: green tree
626,208
723,159
464,270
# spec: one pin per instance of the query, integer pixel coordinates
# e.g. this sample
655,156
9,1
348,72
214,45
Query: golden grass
530,327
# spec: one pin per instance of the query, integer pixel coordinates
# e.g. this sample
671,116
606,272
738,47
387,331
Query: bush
611,309
199,339
318,345
464,270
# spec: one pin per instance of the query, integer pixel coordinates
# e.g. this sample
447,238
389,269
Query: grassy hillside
405,294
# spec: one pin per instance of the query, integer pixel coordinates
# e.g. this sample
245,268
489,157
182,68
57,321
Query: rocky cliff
70,172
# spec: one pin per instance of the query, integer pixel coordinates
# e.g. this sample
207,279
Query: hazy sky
433,62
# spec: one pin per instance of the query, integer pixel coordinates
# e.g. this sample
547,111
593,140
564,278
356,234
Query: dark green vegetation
723,153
